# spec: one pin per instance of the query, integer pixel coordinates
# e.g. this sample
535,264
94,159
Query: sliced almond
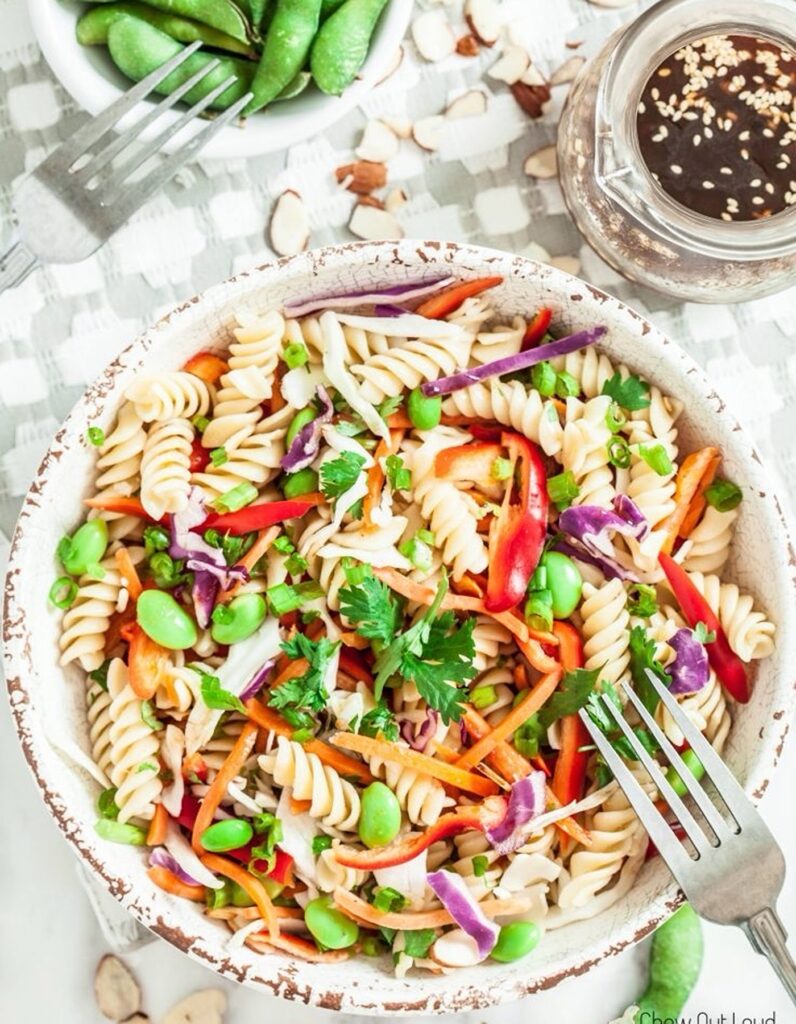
470,104
379,143
612,3
373,225
137,1018
568,71
468,46
377,204
290,227
427,132
402,126
533,76
363,177
395,200
531,98
543,163
510,66
392,67
433,36
485,20
204,1007
455,949
569,264
116,990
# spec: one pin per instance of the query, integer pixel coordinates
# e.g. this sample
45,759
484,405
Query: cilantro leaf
572,694
307,691
379,720
606,724
215,696
642,600
703,634
340,474
418,943
372,606
642,657
631,394
389,406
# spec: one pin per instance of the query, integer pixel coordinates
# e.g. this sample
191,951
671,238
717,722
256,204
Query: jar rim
620,167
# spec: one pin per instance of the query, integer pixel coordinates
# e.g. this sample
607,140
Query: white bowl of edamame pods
308,62
48,702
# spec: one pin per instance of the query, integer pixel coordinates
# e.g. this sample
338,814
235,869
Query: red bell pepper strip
442,305
354,665
518,534
200,456
485,431
259,517
206,365
537,328
468,462
569,776
480,817
723,660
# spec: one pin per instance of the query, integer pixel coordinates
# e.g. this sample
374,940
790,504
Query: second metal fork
84,191
732,869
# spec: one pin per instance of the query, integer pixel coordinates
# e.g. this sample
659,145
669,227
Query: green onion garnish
562,489
482,696
236,498
284,598
480,864
96,436
615,418
723,495
321,843
295,354
63,592
566,385
619,452
388,899
218,456
657,458
200,423
543,378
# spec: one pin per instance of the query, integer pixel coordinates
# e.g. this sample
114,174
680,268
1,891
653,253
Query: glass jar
614,199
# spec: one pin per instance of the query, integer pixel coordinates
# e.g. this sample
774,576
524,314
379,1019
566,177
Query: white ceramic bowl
48,704
89,75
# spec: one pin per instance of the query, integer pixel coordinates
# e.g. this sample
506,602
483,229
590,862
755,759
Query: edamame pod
137,48
92,27
225,15
341,46
296,87
329,7
675,962
287,45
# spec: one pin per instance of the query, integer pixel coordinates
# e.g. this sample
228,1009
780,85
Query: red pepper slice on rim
537,328
259,517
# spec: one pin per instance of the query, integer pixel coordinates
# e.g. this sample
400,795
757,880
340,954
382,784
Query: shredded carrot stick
445,754
689,476
368,747
156,835
530,703
265,538
168,881
376,475
277,399
120,503
399,421
292,670
253,886
269,719
520,674
350,639
699,502
533,651
297,946
148,662
442,305
127,571
412,921
226,773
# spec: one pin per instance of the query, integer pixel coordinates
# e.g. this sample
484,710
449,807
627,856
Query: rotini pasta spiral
499,341
330,874
709,542
166,468
360,344
169,396
707,710
475,844
509,403
422,797
488,637
134,749
119,467
605,629
255,460
584,452
333,800
85,625
98,702
373,547
651,491
399,369
749,632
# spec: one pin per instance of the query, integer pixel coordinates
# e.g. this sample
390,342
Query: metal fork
733,869
83,192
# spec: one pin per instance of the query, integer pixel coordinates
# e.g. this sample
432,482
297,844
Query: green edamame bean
425,413
516,940
380,815
675,962
85,547
564,582
137,49
92,27
341,46
164,621
120,832
301,419
224,15
303,482
239,619
693,764
328,926
329,7
229,834
287,45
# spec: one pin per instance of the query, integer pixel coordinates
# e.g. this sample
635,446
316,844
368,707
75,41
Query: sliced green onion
355,574
321,843
302,735
284,544
528,738
562,489
96,436
615,418
236,498
148,716
539,579
539,609
284,598
567,386
106,804
480,865
657,458
218,456
215,899
296,564
165,571
295,354
501,469
619,452
156,538
543,378
418,553
118,832
482,696
723,495
63,592
387,899
200,423
426,536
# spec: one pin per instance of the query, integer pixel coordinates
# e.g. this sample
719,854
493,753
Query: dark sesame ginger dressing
717,127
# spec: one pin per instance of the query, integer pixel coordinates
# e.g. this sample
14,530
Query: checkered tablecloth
64,323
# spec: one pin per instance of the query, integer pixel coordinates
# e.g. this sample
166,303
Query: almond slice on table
362,177
137,1018
510,66
427,132
543,163
289,229
485,20
470,104
373,224
392,67
612,3
433,36
379,143
204,1007
395,200
568,71
402,126
569,264
115,989
531,98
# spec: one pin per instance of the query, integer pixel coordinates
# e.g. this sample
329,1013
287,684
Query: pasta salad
344,589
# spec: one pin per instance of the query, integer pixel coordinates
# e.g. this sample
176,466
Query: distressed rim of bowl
280,980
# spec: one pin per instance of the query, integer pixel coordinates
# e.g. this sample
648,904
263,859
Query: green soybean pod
225,15
137,49
675,962
329,7
287,45
328,925
92,27
341,46
296,87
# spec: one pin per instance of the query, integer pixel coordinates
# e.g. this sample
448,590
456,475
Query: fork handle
15,264
768,936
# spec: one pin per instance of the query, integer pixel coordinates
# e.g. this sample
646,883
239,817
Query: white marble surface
50,941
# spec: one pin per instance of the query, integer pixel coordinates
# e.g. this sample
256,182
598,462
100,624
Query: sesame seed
676,169
758,200
708,184
725,215
726,170
755,183
697,139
